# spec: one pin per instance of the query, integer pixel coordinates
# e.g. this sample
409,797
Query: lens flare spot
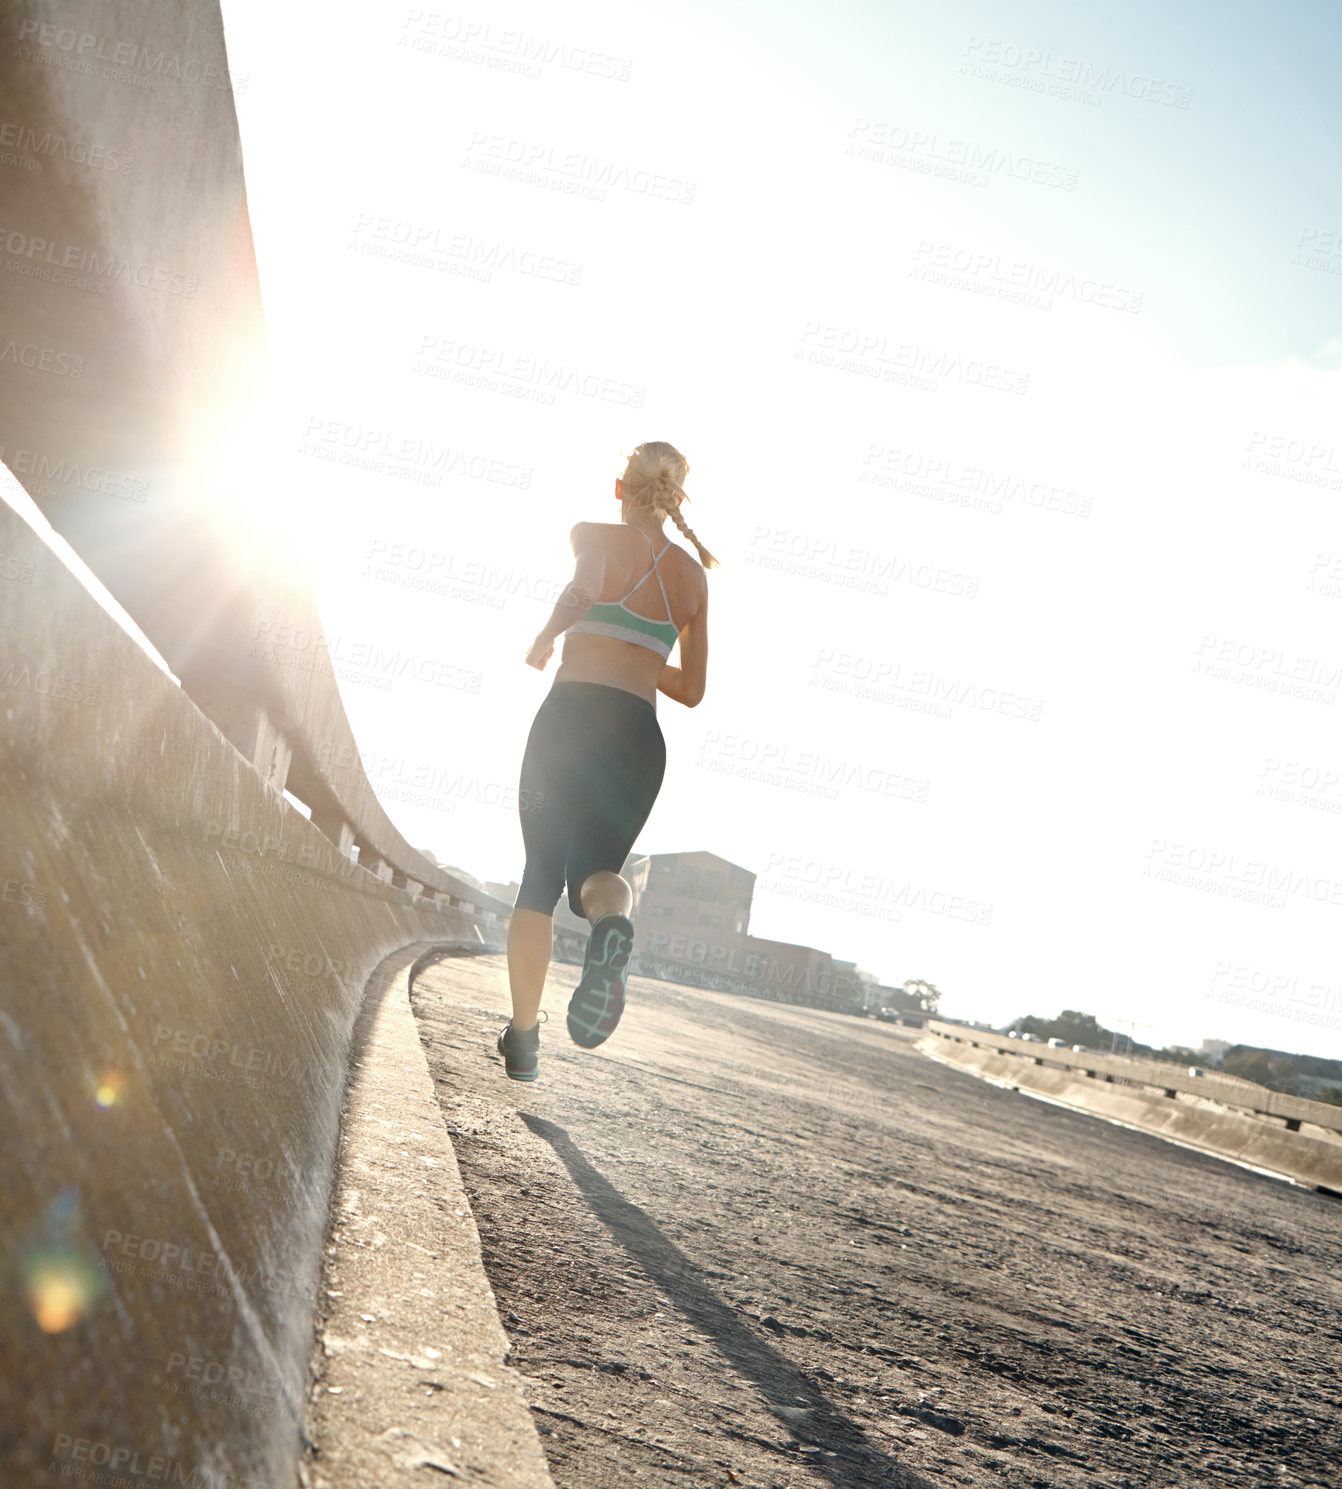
60,1287
109,1090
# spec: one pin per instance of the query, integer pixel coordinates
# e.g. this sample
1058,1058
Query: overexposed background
1022,400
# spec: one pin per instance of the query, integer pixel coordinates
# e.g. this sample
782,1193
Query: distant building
691,915
695,895
505,892
1214,1051
792,973
864,984
691,919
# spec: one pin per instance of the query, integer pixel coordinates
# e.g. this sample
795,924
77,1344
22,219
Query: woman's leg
622,785
530,938
620,782
605,893
546,817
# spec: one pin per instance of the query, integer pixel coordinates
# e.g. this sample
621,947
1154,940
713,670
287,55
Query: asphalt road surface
752,1244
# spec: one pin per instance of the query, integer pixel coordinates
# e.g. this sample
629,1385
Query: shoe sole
597,1004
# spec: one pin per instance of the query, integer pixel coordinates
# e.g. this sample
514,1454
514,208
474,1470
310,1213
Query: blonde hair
655,478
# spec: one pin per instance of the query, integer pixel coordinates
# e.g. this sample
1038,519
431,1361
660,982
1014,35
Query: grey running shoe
520,1049
598,1000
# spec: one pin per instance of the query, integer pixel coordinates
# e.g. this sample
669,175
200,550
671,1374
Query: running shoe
520,1049
598,1001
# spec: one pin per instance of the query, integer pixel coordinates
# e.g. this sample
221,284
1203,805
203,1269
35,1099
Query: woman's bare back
603,659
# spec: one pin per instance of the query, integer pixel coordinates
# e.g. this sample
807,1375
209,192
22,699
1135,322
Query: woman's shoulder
611,532
620,532
588,534
598,531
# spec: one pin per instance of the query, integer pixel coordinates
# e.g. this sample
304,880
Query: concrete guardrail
1283,1135
184,953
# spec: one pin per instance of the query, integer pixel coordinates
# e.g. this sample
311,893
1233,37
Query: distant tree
1071,1026
928,997
1331,1094
1250,1065
914,996
1308,1065
1276,1072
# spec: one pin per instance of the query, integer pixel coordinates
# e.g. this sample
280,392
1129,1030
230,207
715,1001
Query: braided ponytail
655,478
673,512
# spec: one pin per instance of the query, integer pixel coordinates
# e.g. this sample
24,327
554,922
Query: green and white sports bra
617,620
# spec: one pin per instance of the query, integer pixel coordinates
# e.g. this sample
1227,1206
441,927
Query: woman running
595,755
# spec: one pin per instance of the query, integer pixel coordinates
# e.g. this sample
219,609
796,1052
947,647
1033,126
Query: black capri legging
593,766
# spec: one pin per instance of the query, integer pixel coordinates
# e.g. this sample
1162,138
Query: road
752,1244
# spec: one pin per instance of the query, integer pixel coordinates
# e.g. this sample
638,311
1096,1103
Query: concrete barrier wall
133,352
1309,1155
182,957
182,953
1225,1090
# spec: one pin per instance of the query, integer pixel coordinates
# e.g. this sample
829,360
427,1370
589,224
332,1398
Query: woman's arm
686,683
579,595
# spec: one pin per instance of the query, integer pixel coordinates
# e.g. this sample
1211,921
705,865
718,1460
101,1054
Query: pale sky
1022,400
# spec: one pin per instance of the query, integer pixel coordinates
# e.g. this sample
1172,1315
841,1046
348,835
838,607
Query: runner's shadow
810,1416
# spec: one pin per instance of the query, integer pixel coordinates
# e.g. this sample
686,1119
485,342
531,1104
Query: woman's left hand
542,649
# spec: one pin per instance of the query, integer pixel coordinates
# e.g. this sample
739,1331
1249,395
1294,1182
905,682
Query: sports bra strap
648,541
650,573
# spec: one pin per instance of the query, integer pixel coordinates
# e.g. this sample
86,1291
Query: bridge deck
757,1244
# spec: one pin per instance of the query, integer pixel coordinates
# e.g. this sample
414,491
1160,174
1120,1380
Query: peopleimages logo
320,857
808,556
217,1051
505,49
51,145
35,358
50,685
306,650
1218,872
110,1463
186,1267
17,892
539,164
1072,78
922,689
383,451
841,886
204,1379
847,349
427,246
1271,668
1318,787
49,473
120,61
947,478
1319,248
475,580
518,374
988,273
1263,990
965,161
776,762
1311,462
86,268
